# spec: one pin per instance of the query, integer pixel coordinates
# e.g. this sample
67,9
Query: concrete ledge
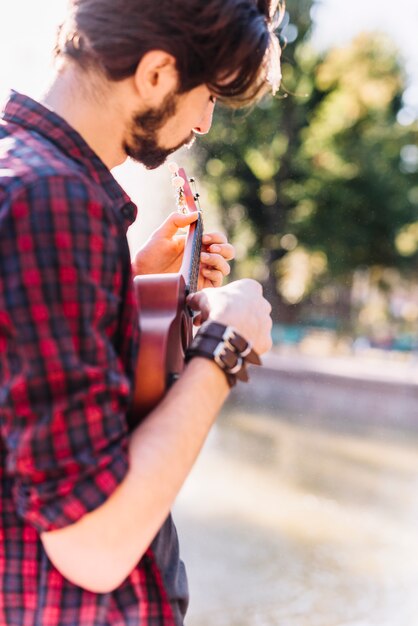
344,392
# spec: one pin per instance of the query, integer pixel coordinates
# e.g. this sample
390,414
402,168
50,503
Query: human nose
206,122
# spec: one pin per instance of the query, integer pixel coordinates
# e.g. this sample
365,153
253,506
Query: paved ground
282,525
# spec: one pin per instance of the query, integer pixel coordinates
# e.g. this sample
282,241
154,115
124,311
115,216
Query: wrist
208,371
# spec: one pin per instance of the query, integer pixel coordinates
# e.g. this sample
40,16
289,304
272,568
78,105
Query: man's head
223,49
223,44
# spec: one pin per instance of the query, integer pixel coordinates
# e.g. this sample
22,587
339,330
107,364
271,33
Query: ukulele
165,320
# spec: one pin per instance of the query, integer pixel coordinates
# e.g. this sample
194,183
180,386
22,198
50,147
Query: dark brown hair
211,40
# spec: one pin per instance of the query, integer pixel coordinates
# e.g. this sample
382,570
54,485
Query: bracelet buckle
220,354
227,348
235,342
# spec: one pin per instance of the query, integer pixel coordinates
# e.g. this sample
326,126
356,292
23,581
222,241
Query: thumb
199,303
173,222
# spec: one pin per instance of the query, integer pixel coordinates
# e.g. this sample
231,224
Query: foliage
320,179
356,194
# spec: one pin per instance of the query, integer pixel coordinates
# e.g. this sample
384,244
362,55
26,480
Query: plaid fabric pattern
68,340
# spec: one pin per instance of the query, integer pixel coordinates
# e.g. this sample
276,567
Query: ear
155,77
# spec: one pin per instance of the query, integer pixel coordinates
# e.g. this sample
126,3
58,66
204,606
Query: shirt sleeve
64,389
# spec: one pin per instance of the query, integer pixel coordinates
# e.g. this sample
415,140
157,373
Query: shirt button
129,211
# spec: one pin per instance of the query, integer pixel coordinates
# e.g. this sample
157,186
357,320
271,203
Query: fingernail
215,249
206,238
205,257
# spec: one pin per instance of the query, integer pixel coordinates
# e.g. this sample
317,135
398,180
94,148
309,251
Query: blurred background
303,508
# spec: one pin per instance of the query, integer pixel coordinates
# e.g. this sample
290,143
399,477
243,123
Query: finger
199,302
173,222
215,262
200,318
213,278
197,320
209,238
226,250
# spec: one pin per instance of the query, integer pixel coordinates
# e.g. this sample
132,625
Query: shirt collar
26,112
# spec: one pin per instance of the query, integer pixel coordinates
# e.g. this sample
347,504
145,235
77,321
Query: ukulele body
166,331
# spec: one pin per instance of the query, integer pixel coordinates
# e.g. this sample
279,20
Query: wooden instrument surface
166,323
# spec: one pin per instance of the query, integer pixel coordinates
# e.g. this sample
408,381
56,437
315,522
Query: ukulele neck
191,258
193,246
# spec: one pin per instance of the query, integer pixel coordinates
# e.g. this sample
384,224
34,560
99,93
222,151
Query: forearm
100,550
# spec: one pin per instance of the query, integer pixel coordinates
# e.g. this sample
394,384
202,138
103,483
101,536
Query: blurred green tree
247,158
360,165
320,179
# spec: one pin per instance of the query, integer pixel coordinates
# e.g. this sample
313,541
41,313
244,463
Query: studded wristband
223,345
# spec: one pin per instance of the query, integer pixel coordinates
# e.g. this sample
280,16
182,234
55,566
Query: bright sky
337,21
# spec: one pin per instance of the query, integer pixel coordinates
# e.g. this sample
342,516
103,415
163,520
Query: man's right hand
239,304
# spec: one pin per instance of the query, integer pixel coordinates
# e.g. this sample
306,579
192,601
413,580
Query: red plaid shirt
68,341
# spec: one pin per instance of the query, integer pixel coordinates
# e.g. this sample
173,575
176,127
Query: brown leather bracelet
226,347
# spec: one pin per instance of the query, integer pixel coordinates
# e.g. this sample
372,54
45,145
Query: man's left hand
163,252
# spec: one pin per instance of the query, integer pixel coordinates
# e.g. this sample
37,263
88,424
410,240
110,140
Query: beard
142,145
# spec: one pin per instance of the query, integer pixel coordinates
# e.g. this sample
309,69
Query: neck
92,109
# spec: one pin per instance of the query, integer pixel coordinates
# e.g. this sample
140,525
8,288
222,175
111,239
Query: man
86,536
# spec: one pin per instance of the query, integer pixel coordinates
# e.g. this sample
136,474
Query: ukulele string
178,183
197,241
